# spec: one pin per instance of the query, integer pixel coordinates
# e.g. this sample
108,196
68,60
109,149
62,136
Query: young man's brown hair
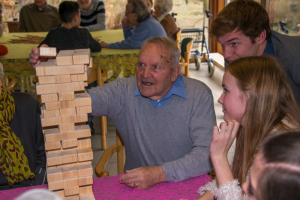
246,16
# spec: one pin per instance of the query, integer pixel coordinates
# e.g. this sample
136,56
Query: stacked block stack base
65,107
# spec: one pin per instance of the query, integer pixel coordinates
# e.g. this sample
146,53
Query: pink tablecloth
110,188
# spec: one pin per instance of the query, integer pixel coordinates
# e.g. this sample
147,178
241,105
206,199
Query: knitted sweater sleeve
93,44
133,39
202,121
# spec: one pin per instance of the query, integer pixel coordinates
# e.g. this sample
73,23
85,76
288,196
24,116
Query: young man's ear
262,37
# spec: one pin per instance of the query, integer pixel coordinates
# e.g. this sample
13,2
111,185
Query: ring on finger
135,185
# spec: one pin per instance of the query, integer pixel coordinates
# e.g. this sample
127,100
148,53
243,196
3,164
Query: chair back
186,47
178,34
11,83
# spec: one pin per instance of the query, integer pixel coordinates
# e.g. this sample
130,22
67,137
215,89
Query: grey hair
167,43
165,5
1,71
140,8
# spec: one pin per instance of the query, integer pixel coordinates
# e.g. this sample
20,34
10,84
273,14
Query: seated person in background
161,11
165,120
22,152
275,174
243,29
257,95
149,5
146,27
38,17
92,15
70,36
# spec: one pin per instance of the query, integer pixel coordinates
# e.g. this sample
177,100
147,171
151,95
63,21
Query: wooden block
85,169
50,113
52,135
64,59
59,88
88,180
52,145
66,128
71,191
64,69
69,143
57,185
91,63
83,99
85,84
67,52
69,156
83,109
54,174
83,131
65,78
71,182
85,154
87,197
73,119
69,172
79,132
49,98
85,190
81,58
79,77
53,105
46,79
47,52
40,71
49,121
54,158
67,111
84,143
66,96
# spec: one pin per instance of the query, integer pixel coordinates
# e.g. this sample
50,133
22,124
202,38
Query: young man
165,120
243,29
70,36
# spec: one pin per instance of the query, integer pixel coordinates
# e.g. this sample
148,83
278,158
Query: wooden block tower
65,104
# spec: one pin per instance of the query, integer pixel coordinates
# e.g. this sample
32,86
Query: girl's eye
225,90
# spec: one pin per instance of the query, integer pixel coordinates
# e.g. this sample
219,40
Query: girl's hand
222,140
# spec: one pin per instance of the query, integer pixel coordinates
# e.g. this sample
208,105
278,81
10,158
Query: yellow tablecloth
16,64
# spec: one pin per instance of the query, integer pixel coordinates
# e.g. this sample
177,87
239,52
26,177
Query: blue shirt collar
269,50
176,89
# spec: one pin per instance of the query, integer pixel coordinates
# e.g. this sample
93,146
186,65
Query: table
110,188
15,63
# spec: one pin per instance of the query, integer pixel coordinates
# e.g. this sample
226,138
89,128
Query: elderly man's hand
125,23
103,44
34,56
143,177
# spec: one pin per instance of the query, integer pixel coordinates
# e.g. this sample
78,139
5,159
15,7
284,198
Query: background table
16,64
110,188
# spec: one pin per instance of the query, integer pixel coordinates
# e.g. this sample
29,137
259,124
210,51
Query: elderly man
138,15
165,120
92,15
38,17
243,29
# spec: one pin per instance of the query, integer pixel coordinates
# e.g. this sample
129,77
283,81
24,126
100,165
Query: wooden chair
101,77
186,47
178,34
115,148
11,83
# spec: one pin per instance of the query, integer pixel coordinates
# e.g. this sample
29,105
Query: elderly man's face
40,3
131,17
84,4
154,74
